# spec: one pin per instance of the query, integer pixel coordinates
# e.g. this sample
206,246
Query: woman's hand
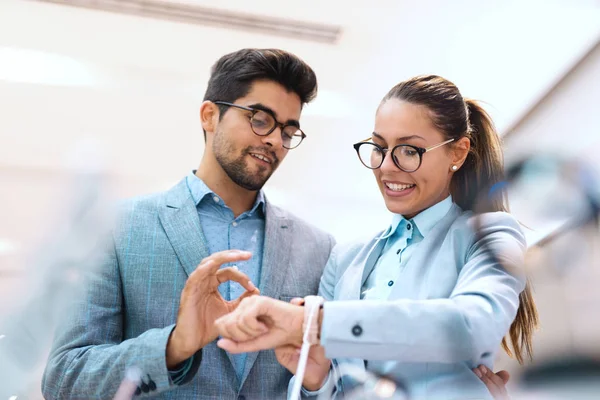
495,382
260,323
317,366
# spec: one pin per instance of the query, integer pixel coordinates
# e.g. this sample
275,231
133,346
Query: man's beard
237,168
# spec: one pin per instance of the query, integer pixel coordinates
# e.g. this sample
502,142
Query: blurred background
130,75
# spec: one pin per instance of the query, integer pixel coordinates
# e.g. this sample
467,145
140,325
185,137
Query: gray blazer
130,305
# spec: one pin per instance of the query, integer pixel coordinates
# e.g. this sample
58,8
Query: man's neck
238,199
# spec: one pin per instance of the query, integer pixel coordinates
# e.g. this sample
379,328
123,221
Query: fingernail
235,267
483,369
478,373
251,285
220,343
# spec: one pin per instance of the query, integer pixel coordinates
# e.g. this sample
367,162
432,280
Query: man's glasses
263,123
405,156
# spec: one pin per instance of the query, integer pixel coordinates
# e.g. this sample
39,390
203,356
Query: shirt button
390,283
408,227
216,199
357,330
234,223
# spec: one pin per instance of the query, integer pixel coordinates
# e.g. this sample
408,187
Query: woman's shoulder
499,229
487,222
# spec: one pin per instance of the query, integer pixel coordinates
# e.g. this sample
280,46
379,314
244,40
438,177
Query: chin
401,207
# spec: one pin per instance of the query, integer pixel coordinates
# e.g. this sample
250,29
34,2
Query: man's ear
209,116
461,151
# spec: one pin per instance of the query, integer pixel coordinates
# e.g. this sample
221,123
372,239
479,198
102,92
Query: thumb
504,375
297,301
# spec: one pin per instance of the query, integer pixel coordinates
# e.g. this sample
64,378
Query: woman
422,302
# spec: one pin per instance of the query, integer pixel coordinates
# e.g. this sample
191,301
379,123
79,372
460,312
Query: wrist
316,385
313,387
297,331
176,352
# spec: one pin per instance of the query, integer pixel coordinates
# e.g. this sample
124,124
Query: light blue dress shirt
402,238
225,232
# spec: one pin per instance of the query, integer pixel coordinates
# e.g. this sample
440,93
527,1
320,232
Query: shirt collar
427,219
424,221
199,191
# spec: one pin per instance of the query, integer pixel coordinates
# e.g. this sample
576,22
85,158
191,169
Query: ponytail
484,167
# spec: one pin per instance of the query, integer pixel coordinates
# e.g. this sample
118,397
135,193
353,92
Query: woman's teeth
398,187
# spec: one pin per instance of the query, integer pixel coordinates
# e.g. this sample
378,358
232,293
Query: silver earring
454,168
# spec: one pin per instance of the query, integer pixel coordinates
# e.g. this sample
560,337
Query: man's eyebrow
262,107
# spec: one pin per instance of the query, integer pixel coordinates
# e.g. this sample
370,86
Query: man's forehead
271,96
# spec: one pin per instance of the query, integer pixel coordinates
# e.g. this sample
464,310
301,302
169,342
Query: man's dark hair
233,74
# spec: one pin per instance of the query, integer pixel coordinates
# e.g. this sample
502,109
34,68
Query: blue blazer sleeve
465,327
89,354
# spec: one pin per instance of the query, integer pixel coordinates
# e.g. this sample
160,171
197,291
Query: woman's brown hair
457,117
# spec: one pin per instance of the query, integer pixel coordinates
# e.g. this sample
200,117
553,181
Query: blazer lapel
275,263
371,259
179,218
356,274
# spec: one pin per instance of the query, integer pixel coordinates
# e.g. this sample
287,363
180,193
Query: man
153,303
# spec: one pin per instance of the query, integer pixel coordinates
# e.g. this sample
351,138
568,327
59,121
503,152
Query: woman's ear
209,116
460,152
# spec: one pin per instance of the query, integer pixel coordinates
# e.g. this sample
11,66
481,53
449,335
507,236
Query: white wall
135,85
567,123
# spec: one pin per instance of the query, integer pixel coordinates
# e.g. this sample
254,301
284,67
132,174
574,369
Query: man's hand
260,323
495,382
317,366
201,304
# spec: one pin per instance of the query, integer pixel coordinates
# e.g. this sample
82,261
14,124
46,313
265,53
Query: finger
236,333
246,317
494,378
494,384
263,342
232,274
504,375
249,293
491,387
252,325
288,356
236,303
224,257
297,301
223,324
243,325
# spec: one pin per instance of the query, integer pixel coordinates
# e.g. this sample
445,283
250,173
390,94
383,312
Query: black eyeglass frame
420,151
282,126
